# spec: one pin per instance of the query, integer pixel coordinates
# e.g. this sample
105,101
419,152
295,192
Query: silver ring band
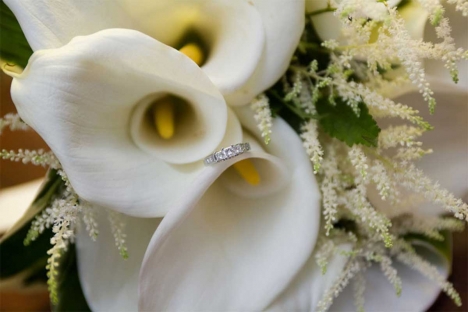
227,153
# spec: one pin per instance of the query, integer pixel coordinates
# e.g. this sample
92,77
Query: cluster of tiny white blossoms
13,122
451,54
460,5
63,216
311,143
357,72
35,157
118,230
263,116
62,212
349,272
361,18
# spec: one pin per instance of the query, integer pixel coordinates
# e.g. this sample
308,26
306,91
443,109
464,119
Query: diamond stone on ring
227,153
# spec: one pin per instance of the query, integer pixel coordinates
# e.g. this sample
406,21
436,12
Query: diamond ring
227,153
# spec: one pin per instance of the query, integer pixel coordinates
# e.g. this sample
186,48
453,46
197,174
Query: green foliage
293,115
12,243
310,48
15,257
14,47
341,122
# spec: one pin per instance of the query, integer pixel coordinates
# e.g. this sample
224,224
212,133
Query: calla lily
248,43
237,244
93,113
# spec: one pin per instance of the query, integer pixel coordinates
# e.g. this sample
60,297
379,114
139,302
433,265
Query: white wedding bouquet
231,155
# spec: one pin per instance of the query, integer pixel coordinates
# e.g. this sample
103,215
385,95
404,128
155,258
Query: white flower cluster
39,157
336,79
407,51
460,5
429,226
329,186
62,216
385,186
347,174
311,143
432,6
414,179
359,161
390,272
348,273
393,45
367,251
118,230
402,135
325,250
260,105
89,219
12,121
359,287
407,256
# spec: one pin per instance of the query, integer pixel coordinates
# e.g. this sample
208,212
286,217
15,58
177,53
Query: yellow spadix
164,110
164,119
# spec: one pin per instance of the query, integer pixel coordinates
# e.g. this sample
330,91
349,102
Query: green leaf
340,121
14,256
14,47
70,293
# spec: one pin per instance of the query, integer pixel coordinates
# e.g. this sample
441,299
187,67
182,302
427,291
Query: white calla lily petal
231,31
326,24
109,282
81,103
236,40
415,17
418,293
249,43
308,288
47,23
284,23
448,163
15,201
239,252
459,25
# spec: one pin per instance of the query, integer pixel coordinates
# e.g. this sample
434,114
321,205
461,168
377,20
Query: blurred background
16,298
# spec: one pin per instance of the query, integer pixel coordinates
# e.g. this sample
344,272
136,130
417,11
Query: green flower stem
321,11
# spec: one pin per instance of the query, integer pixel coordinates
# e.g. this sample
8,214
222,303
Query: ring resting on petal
232,229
